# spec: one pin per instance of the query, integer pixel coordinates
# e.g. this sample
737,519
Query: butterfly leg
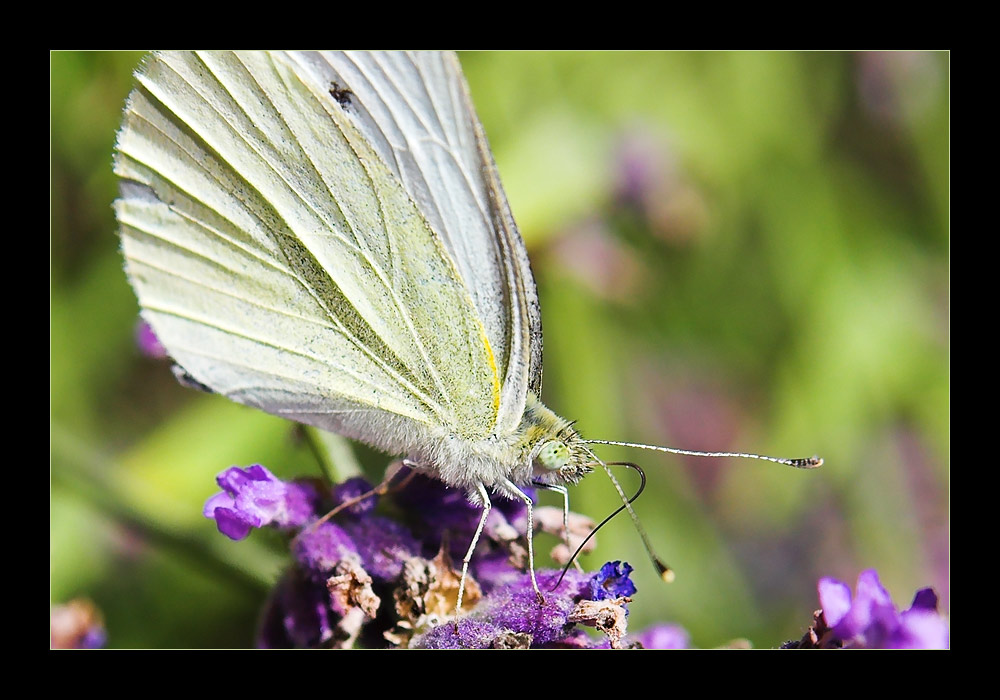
559,488
487,505
531,535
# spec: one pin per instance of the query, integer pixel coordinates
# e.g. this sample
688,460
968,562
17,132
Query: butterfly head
558,455
563,459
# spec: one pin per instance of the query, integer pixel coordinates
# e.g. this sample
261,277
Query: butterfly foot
539,597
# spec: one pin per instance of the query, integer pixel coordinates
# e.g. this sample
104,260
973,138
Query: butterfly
324,236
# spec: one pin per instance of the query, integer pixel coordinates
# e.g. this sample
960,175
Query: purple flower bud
320,549
515,610
468,633
384,545
298,614
353,488
925,599
149,345
663,636
493,568
869,620
640,168
516,607
437,513
921,627
435,509
254,497
834,598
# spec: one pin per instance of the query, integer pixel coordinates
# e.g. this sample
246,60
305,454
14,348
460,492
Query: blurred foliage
733,251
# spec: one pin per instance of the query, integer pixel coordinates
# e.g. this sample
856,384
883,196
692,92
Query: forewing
415,110
281,261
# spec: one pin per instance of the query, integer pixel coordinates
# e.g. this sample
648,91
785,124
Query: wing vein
434,405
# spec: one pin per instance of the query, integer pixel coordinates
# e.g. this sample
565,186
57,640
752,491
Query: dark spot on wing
341,95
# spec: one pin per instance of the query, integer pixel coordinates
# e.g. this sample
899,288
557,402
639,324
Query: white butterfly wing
416,111
283,264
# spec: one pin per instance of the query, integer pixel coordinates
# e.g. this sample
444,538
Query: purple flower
516,606
512,616
870,620
298,614
493,568
641,168
438,514
149,344
384,545
353,488
663,636
320,549
612,582
434,509
77,625
363,578
254,497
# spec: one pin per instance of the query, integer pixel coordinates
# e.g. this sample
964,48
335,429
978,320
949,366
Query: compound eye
554,455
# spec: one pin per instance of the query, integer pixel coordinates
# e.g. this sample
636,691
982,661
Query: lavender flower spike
362,577
254,497
511,616
870,620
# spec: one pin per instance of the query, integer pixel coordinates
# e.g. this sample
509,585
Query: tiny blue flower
612,581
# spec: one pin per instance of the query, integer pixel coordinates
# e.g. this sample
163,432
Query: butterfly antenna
803,463
665,572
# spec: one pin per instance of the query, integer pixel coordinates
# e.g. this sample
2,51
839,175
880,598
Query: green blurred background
733,251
